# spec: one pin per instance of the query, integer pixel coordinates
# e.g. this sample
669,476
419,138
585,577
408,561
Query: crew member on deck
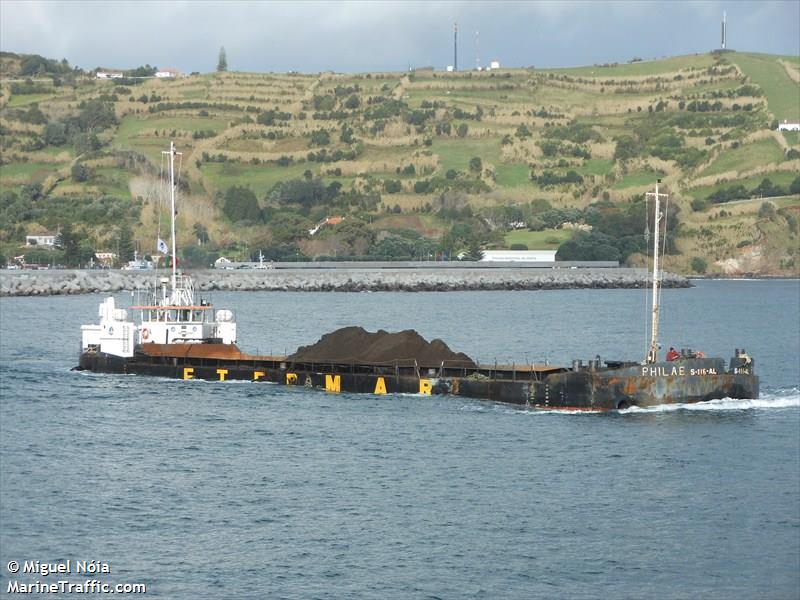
673,354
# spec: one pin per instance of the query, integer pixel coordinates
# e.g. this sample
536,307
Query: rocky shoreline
63,282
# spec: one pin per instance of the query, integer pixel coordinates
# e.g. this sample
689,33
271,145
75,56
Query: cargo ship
181,337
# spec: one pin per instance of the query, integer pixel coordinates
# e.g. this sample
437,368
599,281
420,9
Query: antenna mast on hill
723,30
477,51
455,46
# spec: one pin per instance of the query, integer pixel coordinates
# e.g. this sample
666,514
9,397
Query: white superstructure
170,314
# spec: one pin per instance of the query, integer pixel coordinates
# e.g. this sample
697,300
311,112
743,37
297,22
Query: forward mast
652,354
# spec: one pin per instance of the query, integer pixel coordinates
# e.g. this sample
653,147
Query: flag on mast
162,246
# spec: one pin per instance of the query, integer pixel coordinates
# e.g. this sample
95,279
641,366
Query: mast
652,354
172,153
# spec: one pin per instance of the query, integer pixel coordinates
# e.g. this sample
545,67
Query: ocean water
241,490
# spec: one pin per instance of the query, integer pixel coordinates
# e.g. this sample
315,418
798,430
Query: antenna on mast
652,354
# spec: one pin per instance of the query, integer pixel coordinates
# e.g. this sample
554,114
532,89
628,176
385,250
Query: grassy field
783,94
14,174
641,69
596,166
792,137
259,178
636,180
746,157
549,239
112,180
133,126
456,153
783,178
512,175
25,99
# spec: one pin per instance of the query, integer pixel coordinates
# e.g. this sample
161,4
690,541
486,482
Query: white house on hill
168,73
789,126
48,239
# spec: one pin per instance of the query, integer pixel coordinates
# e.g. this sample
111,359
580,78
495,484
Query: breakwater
60,282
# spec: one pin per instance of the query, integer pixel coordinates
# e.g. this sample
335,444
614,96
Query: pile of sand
355,344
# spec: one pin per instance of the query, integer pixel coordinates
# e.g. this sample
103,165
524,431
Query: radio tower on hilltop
455,46
723,30
477,52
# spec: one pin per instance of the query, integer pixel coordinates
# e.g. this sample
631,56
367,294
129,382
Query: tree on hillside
77,249
125,244
222,63
81,172
474,251
241,204
96,115
699,264
320,137
201,233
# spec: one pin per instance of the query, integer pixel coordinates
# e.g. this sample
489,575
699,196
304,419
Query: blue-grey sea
242,490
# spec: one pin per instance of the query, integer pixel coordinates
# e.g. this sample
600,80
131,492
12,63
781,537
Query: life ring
145,333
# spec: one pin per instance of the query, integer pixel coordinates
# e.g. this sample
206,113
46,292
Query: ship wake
788,398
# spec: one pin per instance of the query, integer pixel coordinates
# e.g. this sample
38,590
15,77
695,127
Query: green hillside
418,163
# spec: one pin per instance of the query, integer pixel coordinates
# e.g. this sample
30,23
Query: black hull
584,388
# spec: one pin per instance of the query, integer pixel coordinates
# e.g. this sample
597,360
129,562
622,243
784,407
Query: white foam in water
785,399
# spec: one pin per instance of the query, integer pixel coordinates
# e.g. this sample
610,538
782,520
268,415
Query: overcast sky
371,36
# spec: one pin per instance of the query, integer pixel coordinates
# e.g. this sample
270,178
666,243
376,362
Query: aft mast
172,153
652,354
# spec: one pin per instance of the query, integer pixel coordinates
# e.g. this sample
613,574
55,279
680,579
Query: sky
386,36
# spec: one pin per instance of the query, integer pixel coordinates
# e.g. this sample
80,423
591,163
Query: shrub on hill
33,64
616,232
33,115
588,246
392,186
699,264
320,137
81,173
548,178
29,205
241,204
738,192
580,133
301,192
268,117
143,71
385,110
20,89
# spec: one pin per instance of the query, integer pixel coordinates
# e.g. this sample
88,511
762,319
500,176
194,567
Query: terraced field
425,143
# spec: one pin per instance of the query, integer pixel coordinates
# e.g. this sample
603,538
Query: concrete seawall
59,282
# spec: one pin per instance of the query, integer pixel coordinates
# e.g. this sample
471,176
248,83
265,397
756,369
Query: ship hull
581,388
